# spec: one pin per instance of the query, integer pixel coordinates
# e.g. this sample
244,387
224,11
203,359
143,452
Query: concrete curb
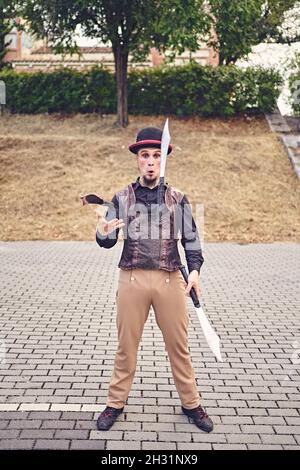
290,142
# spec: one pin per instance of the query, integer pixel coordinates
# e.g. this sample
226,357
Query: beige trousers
137,290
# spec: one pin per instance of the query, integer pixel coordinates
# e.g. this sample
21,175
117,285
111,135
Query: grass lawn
235,167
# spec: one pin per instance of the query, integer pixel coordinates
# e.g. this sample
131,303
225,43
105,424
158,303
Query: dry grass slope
236,168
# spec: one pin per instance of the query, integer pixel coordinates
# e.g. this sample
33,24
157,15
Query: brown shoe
108,417
200,418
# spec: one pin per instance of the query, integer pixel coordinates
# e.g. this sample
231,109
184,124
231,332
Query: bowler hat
148,137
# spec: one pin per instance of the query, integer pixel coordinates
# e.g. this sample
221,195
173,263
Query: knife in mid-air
211,336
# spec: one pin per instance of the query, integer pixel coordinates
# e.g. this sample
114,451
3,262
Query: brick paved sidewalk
58,339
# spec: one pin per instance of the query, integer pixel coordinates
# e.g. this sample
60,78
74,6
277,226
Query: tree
8,12
241,25
129,26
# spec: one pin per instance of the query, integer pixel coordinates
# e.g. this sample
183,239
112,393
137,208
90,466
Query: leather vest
148,244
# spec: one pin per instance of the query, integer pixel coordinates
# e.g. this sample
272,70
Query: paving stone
257,429
140,436
25,424
237,420
227,428
14,444
87,445
58,323
243,438
268,420
216,411
290,420
54,424
193,446
129,426
52,444
148,418
229,446
33,406
252,411
74,415
37,434
158,446
9,433
8,415
276,439
85,424
4,424
174,436
41,415
286,412
295,430
71,434
109,435
264,447
8,406
123,445
201,436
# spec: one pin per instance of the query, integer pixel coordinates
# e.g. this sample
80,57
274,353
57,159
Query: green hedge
65,90
182,90
203,90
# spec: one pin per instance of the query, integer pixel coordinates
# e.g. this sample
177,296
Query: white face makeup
148,160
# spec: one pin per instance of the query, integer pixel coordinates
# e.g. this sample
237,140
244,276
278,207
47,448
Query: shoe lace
201,412
108,412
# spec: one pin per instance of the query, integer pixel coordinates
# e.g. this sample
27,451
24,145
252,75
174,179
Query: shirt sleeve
190,239
108,241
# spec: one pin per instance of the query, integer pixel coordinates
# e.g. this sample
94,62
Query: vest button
132,278
167,280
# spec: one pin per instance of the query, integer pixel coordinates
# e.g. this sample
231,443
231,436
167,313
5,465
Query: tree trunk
225,60
121,62
5,29
2,42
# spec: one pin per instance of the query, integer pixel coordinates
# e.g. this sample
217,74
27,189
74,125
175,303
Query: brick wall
27,55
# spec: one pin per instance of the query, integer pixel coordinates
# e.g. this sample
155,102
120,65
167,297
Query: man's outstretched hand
106,227
193,281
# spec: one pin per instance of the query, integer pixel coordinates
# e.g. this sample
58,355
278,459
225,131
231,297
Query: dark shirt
189,234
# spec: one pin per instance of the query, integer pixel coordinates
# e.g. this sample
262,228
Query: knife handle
192,291
160,194
94,199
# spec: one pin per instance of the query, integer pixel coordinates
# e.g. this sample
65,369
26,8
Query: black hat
148,137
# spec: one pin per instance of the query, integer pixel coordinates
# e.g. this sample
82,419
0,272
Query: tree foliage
129,26
240,25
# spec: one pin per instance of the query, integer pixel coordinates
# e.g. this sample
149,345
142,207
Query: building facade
30,55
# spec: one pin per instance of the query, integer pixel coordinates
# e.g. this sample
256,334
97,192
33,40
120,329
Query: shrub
203,90
186,90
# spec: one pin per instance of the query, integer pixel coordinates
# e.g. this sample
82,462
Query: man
149,275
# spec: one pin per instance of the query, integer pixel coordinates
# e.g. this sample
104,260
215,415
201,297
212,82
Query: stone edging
291,142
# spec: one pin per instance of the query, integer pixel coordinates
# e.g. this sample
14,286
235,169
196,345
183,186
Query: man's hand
106,227
193,281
